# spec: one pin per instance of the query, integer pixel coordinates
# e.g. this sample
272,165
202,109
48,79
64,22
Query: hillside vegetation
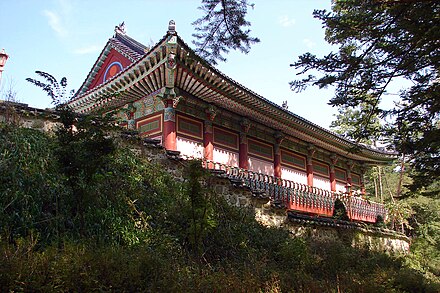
81,213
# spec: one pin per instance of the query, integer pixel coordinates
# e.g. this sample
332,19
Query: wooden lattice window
293,160
356,179
190,127
225,138
340,175
260,149
150,126
321,168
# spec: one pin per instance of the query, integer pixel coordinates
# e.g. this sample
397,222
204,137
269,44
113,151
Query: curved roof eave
376,155
314,131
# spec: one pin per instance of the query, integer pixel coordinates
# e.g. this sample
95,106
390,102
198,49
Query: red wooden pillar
208,141
279,136
208,135
243,146
208,144
243,152
332,178
333,159
350,185
349,181
169,126
309,168
277,164
363,191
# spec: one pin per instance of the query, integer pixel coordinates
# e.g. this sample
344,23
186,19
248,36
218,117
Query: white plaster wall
190,148
225,157
294,175
321,182
340,187
260,166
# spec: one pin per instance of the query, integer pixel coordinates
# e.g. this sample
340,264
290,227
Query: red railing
300,197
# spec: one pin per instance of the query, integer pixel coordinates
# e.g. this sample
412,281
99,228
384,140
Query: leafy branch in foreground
380,44
221,28
54,89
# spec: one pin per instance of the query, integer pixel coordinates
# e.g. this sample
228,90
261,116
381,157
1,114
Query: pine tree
381,42
222,27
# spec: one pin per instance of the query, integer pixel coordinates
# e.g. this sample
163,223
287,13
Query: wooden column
349,181
169,94
208,143
309,168
208,135
243,146
169,126
279,136
333,160
363,191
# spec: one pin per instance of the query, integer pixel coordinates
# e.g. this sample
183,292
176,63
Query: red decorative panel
225,138
150,125
260,149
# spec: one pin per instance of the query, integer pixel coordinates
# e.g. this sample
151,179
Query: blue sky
65,37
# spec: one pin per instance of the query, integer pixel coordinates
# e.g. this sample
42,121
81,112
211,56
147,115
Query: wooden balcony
300,197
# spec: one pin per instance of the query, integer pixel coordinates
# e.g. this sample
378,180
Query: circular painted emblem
113,69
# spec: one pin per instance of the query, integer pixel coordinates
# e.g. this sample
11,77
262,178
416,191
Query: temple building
168,92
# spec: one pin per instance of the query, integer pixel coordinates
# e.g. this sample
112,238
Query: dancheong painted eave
196,77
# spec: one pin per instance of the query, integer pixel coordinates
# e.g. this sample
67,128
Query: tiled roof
126,43
199,78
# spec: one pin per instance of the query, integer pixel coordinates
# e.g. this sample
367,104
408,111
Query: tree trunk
402,169
380,184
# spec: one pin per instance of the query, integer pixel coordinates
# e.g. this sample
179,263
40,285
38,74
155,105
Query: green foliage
347,124
340,211
29,183
82,212
199,213
426,235
221,29
54,89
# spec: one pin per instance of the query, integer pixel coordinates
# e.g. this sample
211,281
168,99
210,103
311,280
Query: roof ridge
131,43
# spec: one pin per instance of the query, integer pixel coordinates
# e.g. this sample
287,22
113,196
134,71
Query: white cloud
286,21
88,50
309,43
55,22
58,18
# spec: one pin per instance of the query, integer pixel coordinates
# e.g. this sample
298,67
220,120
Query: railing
300,197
